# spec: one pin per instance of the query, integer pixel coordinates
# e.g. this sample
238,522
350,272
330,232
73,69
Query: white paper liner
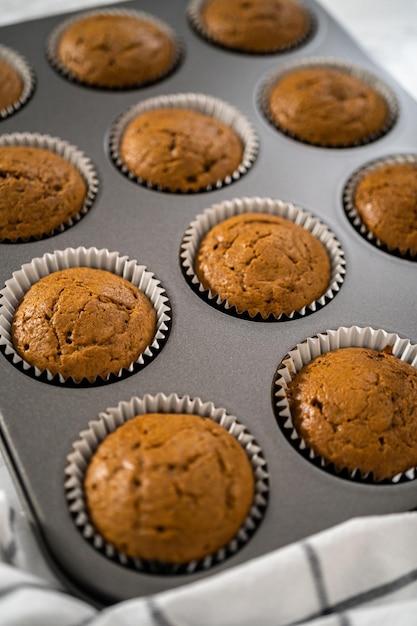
194,16
350,208
56,34
219,212
26,73
312,347
107,422
209,105
332,63
71,154
16,287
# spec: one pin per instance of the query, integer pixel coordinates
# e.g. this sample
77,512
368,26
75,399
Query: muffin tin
210,355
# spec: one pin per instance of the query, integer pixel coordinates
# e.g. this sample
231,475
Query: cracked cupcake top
327,107
255,25
39,191
169,487
180,149
116,50
357,408
263,263
83,323
386,200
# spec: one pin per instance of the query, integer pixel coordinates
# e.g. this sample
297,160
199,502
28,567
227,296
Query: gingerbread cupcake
262,259
381,201
114,49
17,81
184,143
257,27
167,484
348,400
328,103
83,316
46,187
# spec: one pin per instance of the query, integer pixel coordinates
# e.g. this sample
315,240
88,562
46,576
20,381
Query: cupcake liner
74,156
332,63
309,349
55,36
107,422
194,17
352,213
219,212
26,73
21,281
214,107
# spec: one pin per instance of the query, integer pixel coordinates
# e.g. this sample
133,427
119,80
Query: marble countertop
385,29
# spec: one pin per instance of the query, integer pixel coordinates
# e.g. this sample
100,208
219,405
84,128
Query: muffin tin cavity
85,447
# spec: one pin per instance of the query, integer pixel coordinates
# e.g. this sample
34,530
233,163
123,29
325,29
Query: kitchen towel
359,573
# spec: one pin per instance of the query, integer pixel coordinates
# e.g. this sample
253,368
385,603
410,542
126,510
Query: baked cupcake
11,85
167,484
83,316
381,199
329,104
262,259
183,143
17,81
169,487
259,26
83,322
46,186
352,406
114,49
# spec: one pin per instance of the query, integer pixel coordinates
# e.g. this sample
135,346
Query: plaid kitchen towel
360,573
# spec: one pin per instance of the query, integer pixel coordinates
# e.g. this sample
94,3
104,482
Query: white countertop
386,30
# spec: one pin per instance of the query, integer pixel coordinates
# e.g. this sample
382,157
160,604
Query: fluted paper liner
349,201
332,63
202,103
71,154
30,273
194,16
61,68
27,74
89,440
309,349
222,211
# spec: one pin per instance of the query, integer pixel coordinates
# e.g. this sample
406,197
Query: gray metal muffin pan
209,354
